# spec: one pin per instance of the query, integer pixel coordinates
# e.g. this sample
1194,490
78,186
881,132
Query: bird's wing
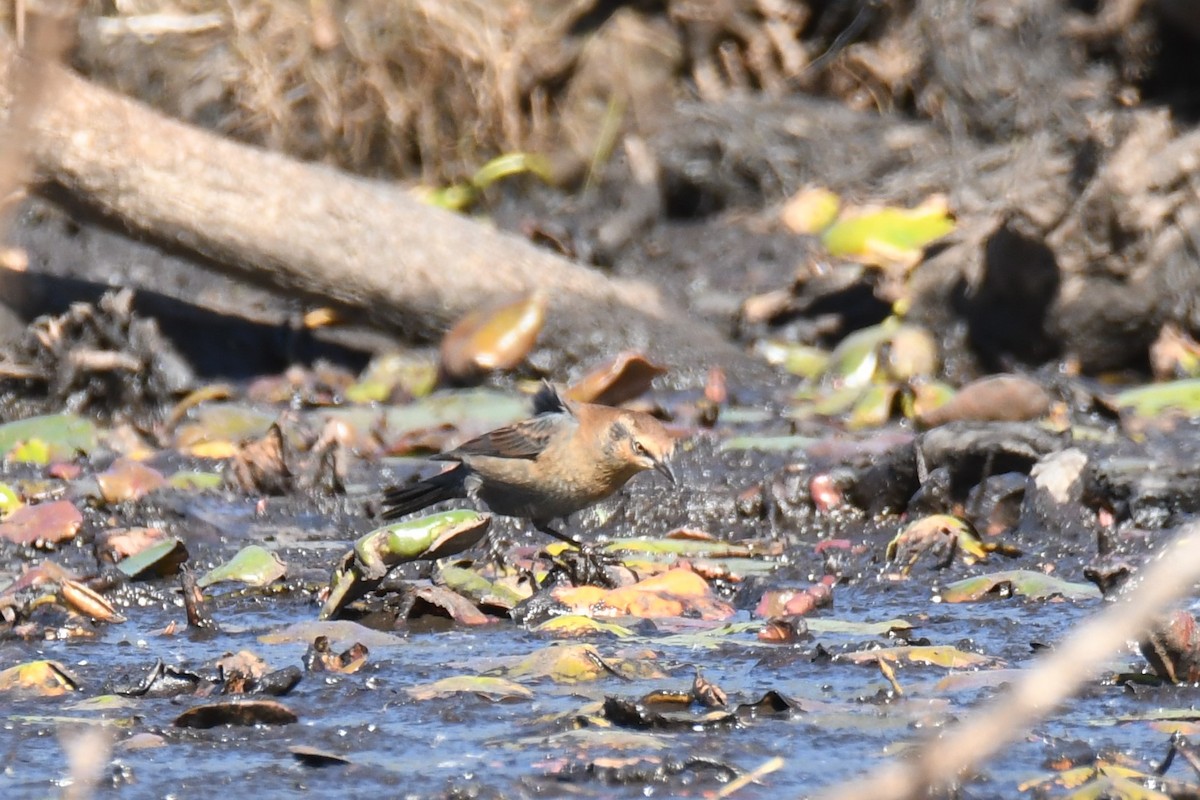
525,439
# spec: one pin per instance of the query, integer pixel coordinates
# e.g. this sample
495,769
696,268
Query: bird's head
641,442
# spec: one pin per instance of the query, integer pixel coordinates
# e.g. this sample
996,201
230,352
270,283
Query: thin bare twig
939,762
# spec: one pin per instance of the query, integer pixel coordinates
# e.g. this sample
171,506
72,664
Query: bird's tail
401,500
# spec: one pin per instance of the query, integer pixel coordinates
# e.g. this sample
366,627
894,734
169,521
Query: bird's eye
639,448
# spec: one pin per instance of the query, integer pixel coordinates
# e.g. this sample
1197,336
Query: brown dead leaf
119,543
126,480
619,380
42,525
999,398
675,593
260,465
496,338
88,602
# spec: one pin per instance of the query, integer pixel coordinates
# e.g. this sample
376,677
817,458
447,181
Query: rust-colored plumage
565,458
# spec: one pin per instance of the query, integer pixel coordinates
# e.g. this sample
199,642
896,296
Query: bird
568,456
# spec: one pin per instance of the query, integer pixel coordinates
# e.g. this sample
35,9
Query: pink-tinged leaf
42,525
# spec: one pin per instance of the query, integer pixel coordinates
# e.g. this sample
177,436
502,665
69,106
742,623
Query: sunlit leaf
691,547
1154,399
430,537
575,663
155,561
253,565
622,378
86,601
811,210
873,407
509,164
888,235
497,338
43,678
9,500
449,603
44,524
469,583
799,359
61,437
577,626
935,655
340,633
854,361
487,687
393,373
1031,584
852,628
940,535
912,353
675,593
220,424
127,480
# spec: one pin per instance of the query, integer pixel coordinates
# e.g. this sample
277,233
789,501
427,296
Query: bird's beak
665,469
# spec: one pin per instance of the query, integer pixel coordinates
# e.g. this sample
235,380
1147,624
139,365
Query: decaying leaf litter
765,613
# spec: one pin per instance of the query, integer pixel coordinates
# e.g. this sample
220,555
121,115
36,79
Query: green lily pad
53,437
161,560
936,655
851,628
479,589
1031,584
253,565
487,687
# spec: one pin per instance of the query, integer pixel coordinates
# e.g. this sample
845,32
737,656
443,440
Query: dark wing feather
547,401
523,440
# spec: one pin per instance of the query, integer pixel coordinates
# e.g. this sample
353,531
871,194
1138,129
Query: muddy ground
830,530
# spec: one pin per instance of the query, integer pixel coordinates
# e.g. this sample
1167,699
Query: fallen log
316,232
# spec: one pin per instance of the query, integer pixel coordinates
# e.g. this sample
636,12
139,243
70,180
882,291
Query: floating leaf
44,678
315,757
675,593
487,687
1034,585
340,633
936,655
496,338
888,235
42,525
127,480
851,628
60,437
619,379
424,538
1152,400
574,663
712,548
236,712
577,626
157,561
253,565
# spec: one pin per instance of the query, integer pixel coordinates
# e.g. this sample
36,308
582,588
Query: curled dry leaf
707,693
796,602
1172,647
88,602
619,380
260,465
496,338
783,630
999,398
236,712
941,536
320,657
119,543
126,480
42,525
